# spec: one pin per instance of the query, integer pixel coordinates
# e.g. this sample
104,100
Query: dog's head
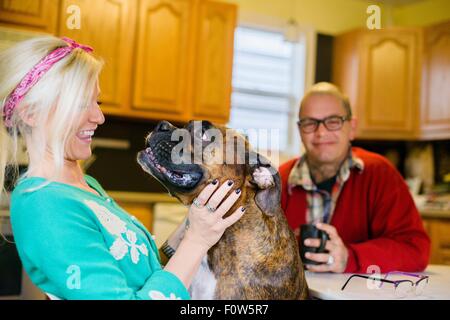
187,159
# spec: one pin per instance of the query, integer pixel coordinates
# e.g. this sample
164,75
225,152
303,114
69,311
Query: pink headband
35,74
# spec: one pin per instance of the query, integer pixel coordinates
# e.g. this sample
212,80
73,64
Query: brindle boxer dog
257,257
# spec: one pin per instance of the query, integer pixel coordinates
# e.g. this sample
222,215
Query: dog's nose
163,126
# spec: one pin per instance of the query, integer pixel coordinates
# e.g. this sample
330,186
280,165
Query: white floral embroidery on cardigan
158,295
125,239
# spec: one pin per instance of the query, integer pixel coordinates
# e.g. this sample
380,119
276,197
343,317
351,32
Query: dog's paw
263,178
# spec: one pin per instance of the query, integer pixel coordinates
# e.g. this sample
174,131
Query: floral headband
36,73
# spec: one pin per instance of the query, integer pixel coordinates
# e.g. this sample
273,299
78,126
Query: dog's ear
266,179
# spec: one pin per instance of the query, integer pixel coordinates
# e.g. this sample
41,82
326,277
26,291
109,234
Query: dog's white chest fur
203,286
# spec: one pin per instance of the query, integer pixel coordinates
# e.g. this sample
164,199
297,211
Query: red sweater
375,216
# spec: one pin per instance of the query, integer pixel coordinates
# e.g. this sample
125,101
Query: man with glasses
357,197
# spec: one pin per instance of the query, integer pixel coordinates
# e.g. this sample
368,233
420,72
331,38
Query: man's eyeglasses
402,288
331,123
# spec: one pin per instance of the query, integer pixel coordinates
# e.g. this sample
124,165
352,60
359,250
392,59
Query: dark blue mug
310,231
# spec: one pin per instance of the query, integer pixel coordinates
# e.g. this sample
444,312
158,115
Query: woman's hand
204,227
205,224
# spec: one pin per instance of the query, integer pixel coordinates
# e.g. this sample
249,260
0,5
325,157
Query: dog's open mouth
156,160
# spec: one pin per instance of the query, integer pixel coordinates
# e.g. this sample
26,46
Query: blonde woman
74,241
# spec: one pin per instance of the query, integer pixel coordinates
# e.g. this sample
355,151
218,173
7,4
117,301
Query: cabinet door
37,14
214,61
107,26
346,62
163,49
389,84
439,231
435,115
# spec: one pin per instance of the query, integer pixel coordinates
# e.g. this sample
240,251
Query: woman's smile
85,135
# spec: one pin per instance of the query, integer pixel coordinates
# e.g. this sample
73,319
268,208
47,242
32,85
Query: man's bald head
326,88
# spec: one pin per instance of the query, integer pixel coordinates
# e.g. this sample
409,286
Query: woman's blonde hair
48,114
327,88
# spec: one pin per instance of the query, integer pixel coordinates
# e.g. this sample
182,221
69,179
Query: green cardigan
77,245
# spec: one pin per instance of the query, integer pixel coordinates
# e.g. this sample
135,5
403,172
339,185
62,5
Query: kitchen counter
152,198
328,286
141,197
435,213
437,206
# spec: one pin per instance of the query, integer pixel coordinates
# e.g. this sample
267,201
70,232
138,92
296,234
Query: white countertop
327,286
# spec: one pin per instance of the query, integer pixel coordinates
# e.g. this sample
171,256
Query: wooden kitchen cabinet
164,46
380,71
397,80
107,25
214,61
39,15
184,60
164,59
439,231
435,111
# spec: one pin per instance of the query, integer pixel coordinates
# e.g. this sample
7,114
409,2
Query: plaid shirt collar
301,176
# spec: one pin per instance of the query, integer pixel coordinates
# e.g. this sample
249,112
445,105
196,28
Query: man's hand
336,248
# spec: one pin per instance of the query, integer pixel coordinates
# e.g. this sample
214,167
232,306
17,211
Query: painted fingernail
230,183
243,209
214,182
238,191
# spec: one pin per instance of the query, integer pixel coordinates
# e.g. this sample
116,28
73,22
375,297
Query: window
268,79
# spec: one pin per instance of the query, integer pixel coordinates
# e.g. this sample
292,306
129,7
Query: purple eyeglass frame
395,282
421,276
